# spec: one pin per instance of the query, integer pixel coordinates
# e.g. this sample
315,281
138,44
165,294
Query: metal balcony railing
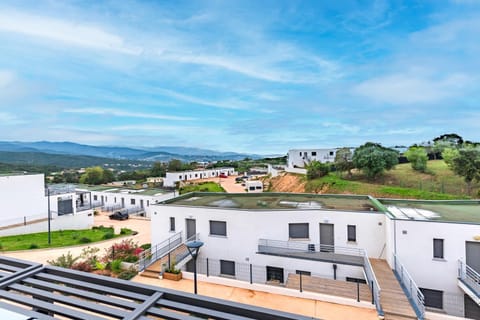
321,252
469,277
415,296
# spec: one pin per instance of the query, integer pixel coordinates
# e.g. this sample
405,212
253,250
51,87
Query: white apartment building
172,178
298,158
27,203
433,247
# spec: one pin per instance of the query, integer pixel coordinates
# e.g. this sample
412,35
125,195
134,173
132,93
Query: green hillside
401,182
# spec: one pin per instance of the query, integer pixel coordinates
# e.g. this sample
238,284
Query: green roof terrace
465,211
277,201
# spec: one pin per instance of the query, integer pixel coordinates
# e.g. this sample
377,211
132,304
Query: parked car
223,175
119,215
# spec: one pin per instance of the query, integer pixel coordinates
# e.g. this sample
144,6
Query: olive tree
417,156
373,159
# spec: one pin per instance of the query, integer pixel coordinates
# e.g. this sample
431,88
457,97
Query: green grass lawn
440,183
62,238
202,187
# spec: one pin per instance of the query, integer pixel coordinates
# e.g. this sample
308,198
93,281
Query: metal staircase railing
414,295
158,251
469,277
289,248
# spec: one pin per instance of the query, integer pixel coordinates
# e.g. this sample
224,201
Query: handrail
309,247
298,246
372,283
410,287
149,256
469,276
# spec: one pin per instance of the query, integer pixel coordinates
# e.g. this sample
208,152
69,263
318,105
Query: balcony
311,251
469,281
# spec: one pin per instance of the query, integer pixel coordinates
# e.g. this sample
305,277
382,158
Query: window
274,274
148,203
95,197
314,153
298,231
251,188
331,153
300,154
180,177
351,233
258,187
433,298
172,223
218,228
132,201
438,248
227,268
115,200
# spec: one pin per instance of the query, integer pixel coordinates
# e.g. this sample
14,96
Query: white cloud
412,88
225,104
122,113
6,78
67,32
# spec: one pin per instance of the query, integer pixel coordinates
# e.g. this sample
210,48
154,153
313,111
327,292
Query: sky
247,76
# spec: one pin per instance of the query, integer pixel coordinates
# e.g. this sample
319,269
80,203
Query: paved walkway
306,307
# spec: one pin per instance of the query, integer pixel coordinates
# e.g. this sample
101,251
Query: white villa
172,178
349,244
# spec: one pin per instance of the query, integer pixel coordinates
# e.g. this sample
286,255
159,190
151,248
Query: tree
467,165
175,165
158,170
451,138
373,159
417,156
440,145
107,176
93,175
343,160
448,154
316,169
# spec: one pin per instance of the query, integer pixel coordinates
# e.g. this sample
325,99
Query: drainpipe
334,272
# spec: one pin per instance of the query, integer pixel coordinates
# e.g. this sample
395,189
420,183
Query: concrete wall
83,220
22,196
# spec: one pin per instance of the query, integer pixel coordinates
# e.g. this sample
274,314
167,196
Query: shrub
82,266
115,266
127,274
108,235
125,231
121,250
146,246
131,259
33,246
64,261
90,255
85,240
100,266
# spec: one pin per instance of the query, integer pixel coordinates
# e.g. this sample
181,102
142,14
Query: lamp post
193,248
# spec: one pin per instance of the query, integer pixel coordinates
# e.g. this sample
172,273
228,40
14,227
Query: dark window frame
226,266
132,201
216,229
438,248
433,298
172,223
351,233
294,230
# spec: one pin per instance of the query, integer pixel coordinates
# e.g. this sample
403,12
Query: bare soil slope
286,183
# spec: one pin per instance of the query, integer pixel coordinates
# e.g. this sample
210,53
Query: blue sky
247,76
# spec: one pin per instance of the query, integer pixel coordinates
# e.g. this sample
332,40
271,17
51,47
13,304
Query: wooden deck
394,302
329,286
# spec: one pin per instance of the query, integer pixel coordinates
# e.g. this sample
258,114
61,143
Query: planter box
172,276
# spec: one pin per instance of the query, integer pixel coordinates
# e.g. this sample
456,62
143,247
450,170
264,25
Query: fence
410,287
292,279
469,276
149,256
373,283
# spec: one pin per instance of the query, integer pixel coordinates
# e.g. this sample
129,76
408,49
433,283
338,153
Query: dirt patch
286,183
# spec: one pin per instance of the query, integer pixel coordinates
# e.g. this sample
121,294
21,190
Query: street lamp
193,248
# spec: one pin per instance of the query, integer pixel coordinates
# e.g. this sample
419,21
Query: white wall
415,250
83,220
22,196
246,227
299,157
172,177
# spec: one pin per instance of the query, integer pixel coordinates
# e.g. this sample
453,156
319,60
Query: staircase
469,281
329,286
180,255
395,303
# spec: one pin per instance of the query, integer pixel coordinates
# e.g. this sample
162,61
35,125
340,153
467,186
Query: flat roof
125,190
467,211
275,201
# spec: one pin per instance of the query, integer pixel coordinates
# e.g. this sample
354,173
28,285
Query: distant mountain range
144,154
